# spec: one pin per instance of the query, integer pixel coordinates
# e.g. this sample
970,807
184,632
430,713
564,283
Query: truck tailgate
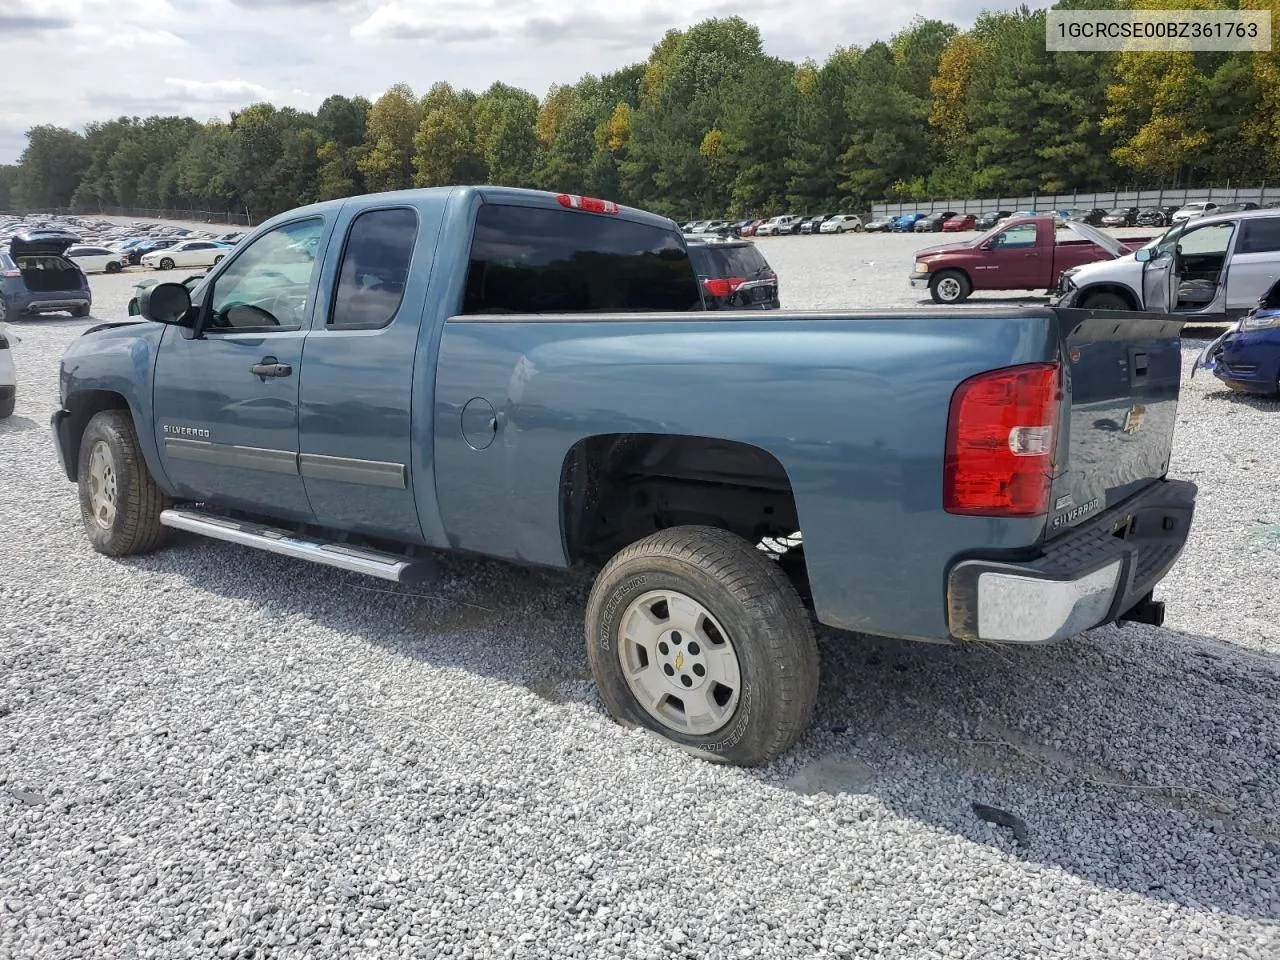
1123,373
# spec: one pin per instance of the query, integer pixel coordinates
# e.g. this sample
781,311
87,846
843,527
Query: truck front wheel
950,286
120,503
695,634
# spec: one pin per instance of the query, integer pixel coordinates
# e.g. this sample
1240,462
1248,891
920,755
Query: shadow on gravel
1258,402
16,424
1127,740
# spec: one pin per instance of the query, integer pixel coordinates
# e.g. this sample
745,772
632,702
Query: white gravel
212,752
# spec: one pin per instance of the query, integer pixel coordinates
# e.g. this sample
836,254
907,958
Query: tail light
589,204
11,274
1000,442
723,286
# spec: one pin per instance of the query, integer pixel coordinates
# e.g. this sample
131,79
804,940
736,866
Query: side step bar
375,563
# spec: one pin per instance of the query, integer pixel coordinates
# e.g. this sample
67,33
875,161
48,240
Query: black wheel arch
70,422
1124,291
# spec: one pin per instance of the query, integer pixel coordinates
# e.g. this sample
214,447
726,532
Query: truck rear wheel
120,503
695,634
950,286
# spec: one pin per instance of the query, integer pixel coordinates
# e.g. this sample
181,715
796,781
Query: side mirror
1142,254
985,245
166,303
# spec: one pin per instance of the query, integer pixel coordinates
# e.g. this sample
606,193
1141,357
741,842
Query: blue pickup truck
533,376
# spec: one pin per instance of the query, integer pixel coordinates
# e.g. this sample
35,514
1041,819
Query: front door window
267,287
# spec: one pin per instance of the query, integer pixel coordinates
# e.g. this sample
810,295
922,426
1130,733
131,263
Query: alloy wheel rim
679,662
949,288
102,485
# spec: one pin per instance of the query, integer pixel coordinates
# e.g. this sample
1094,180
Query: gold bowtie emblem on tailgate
1133,419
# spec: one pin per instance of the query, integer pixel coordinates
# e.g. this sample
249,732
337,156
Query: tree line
711,125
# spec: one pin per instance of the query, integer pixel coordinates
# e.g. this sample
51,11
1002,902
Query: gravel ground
213,752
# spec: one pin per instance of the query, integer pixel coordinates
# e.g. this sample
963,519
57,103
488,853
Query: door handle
270,367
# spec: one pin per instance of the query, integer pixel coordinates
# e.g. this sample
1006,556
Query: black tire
166,263
217,260
1106,301
950,287
4,309
7,405
768,629
81,312
134,526
113,266
859,228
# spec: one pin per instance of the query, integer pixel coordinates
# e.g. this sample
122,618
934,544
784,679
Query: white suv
841,223
778,226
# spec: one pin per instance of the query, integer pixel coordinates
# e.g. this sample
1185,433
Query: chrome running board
375,563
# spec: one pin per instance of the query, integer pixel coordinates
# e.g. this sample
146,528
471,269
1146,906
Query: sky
75,61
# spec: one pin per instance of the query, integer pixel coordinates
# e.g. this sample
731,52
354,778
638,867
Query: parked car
1153,217
1192,210
1018,254
842,223
132,257
35,277
8,379
813,224
1247,357
1214,267
778,226
579,415
959,223
734,275
907,222
95,259
1236,207
1121,217
188,253
880,224
989,220
933,222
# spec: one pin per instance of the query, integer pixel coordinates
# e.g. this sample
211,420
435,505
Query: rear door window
538,260
1261,236
375,267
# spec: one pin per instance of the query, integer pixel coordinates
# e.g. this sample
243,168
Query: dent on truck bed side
854,407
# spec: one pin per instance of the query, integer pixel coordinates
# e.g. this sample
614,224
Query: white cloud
216,91
140,39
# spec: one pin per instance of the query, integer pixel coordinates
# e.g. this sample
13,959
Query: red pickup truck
1022,253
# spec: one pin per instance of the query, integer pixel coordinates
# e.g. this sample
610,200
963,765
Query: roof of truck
486,193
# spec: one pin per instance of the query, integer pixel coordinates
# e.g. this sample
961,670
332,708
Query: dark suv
734,275
36,278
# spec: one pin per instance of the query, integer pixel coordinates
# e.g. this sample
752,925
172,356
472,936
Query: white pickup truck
1214,268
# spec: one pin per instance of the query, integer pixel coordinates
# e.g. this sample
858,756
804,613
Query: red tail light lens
723,286
589,204
10,274
1001,435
